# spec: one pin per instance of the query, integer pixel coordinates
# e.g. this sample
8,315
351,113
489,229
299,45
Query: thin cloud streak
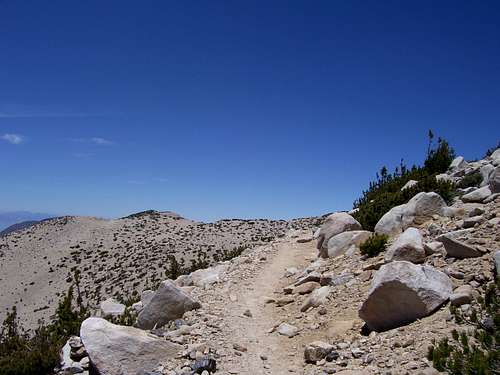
101,141
14,139
50,115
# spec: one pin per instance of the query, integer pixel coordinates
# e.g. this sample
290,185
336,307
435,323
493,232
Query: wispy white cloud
15,139
95,140
49,115
160,179
101,141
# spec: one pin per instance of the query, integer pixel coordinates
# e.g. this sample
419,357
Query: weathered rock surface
287,330
316,351
458,163
119,350
334,224
317,298
111,307
461,295
421,206
346,242
494,180
496,262
407,246
477,195
208,276
458,249
168,303
402,292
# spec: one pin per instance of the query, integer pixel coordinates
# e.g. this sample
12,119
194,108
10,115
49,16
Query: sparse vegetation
38,354
473,179
385,193
473,351
374,245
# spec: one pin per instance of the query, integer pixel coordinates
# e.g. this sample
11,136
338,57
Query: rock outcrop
402,292
119,350
346,242
421,206
168,303
407,246
494,180
456,248
334,224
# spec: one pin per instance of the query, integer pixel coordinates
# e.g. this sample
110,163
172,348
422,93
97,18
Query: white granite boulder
402,292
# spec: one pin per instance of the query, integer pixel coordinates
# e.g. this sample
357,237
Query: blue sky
234,109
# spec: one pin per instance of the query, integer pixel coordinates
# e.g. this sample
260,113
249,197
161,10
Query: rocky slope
313,304
115,257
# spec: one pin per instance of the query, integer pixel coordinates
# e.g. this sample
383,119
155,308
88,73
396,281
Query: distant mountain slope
115,257
19,226
8,218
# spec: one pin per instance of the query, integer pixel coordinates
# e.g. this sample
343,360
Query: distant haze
9,218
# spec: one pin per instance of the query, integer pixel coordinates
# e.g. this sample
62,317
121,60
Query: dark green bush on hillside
38,354
385,193
374,245
474,351
473,179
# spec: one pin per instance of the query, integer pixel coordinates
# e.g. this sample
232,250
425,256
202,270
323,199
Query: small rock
287,330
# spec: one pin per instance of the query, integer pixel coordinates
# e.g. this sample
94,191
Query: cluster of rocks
74,358
338,313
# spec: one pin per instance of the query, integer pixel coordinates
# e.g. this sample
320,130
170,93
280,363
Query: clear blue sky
234,109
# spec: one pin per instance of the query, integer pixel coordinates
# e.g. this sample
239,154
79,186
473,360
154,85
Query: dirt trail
283,354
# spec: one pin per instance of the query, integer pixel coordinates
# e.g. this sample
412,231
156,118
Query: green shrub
473,179
438,159
38,354
474,351
374,245
385,192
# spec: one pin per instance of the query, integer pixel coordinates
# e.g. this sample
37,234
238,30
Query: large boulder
477,195
120,350
402,292
407,246
494,180
421,206
458,163
168,303
334,224
344,242
458,249
485,171
495,157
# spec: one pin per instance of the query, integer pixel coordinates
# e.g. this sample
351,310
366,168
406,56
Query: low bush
473,179
38,353
374,245
385,192
473,351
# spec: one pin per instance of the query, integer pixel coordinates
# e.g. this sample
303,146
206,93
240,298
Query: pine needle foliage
473,351
385,192
374,245
22,353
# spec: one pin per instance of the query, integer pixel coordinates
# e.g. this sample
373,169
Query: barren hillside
115,257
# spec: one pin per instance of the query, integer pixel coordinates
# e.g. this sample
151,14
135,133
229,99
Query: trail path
267,353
